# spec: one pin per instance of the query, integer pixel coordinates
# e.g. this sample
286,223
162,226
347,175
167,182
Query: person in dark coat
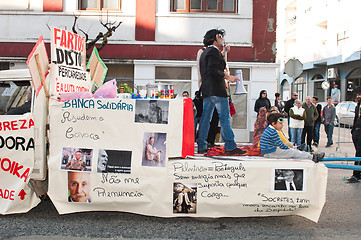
262,101
289,104
356,136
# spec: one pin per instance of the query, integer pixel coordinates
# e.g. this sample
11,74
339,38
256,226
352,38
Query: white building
324,35
157,40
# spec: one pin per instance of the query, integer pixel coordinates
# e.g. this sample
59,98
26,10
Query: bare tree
109,26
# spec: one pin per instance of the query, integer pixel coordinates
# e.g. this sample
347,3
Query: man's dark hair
273,118
211,36
277,94
316,98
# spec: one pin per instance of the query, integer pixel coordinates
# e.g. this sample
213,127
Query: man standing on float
213,89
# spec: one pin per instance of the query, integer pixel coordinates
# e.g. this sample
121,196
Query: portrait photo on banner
79,187
289,180
76,159
154,149
151,111
184,197
114,161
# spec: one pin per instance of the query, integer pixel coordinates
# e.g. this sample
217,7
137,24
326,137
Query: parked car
345,113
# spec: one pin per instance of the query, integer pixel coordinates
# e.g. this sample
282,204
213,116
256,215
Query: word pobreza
16,124
14,168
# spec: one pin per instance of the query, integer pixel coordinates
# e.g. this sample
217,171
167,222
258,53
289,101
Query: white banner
16,164
113,155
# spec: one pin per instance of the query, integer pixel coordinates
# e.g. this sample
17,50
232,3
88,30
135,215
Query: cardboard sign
67,49
113,155
38,64
16,164
65,79
98,69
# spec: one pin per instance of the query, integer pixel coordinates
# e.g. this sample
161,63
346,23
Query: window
178,77
220,6
342,38
100,4
124,73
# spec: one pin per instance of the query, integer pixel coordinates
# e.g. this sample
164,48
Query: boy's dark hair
277,94
316,98
211,36
273,118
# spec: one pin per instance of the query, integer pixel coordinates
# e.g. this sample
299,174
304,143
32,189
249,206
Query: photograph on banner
151,111
154,145
79,187
289,180
78,159
184,197
114,161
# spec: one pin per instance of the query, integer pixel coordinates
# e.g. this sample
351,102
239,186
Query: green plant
127,89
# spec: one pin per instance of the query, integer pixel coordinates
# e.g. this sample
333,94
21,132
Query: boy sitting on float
273,147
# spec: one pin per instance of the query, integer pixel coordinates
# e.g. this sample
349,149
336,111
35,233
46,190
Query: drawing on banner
289,180
78,187
79,159
184,197
154,145
114,161
151,111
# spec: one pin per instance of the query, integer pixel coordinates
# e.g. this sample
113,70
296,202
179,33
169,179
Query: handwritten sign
65,79
67,49
16,164
124,164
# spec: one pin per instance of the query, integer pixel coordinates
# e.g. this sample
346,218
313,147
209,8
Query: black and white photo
151,111
114,161
289,180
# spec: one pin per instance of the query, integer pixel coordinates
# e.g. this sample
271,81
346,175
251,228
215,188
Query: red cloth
188,128
232,110
250,151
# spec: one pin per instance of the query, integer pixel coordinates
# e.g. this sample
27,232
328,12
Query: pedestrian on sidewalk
356,136
316,129
289,104
297,122
328,119
311,116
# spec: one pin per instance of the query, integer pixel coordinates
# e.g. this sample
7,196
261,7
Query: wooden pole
42,78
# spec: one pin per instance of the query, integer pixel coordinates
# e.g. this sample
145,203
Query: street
339,219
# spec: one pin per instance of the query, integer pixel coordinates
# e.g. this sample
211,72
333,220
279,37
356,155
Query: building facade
157,40
325,37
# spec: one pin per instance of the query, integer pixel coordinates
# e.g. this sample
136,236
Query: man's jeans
316,132
329,132
196,123
222,106
296,134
